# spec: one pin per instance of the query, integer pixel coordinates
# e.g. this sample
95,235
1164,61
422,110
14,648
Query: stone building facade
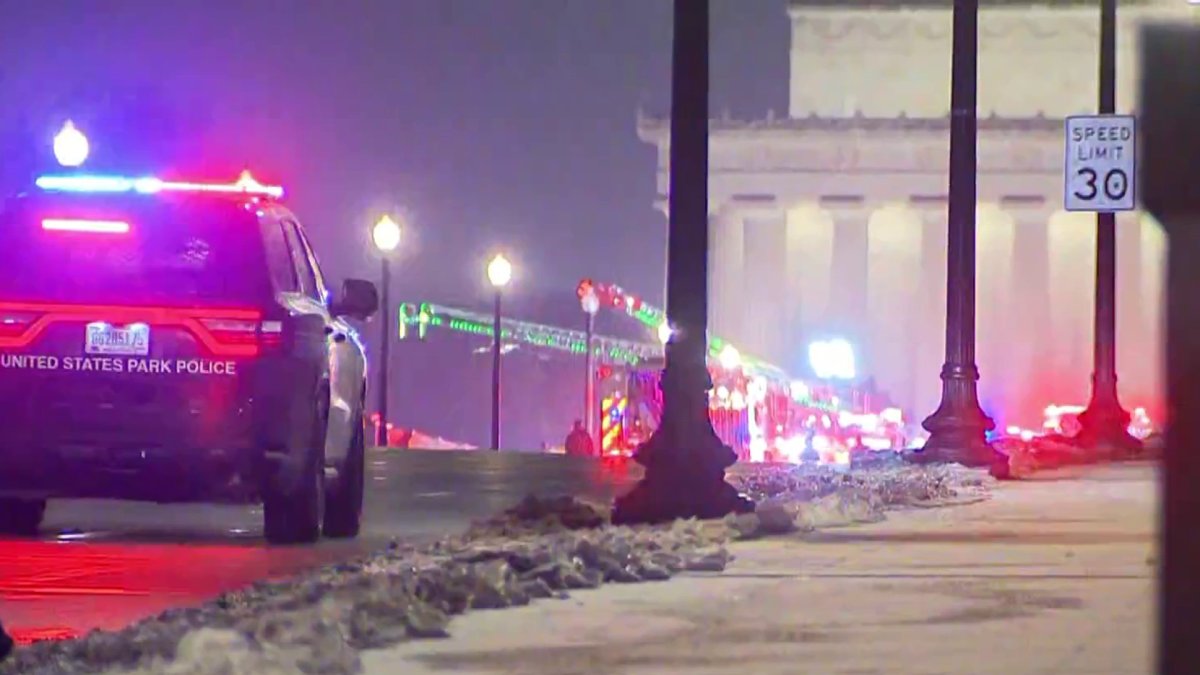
831,220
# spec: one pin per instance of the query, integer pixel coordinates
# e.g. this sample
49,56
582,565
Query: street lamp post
1104,422
499,273
685,461
591,304
386,236
958,427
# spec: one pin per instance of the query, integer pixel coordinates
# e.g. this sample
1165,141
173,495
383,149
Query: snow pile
539,549
1025,458
809,498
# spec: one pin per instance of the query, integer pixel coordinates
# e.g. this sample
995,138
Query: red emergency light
84,225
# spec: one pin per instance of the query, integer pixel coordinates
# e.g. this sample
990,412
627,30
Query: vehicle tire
21,517
344,503
295,517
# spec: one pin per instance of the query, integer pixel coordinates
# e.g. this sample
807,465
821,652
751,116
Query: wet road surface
106,564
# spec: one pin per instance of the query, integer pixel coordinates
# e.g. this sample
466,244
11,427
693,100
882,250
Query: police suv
170,342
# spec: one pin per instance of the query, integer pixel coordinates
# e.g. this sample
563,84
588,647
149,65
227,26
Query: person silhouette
6,644
579,441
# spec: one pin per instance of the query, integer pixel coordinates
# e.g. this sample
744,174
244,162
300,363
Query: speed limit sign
1101,167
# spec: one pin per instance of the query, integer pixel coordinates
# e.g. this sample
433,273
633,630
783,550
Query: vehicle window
308,278
283,272
322,285
170,252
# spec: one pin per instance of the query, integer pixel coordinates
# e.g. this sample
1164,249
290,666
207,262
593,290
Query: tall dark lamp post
386,236
590,303
959,426
499,273
1104,422
685,460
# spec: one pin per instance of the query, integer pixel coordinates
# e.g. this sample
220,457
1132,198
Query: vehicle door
346,365
313,330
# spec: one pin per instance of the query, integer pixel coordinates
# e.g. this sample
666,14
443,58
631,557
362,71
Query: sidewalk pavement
1055,575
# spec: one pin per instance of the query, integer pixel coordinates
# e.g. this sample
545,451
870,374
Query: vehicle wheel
21,517
295,518
344,504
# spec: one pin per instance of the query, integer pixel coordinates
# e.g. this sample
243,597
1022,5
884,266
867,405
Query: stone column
1071,253
995,310
929,311
726,272
894,269
1133,348
810,278
1152,250
847,314
1028,326
764,295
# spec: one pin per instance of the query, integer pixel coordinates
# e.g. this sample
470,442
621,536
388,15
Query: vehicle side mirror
358,300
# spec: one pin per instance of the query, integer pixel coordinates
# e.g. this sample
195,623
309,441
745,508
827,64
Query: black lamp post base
1105,430
959,444
662,498
685,469
958,428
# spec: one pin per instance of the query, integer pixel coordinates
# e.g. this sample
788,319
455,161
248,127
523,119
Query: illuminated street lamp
499,274
386,236
71,146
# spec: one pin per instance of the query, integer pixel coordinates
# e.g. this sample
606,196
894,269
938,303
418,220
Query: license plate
132,340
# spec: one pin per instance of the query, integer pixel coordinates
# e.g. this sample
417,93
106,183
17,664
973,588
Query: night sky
490,122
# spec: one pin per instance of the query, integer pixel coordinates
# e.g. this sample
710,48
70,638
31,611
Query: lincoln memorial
831,220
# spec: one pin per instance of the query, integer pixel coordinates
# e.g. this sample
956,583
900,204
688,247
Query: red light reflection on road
28,636
55,590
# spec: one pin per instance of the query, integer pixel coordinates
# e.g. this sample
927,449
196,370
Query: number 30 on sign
1101,166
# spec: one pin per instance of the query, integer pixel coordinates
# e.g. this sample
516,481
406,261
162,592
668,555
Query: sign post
1101,167
1101,177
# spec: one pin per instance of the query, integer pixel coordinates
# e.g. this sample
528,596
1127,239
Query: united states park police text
107,364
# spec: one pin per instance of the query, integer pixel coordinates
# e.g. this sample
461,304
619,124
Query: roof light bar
246,184
93,226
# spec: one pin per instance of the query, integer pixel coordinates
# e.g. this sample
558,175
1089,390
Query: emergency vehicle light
94,226
246,184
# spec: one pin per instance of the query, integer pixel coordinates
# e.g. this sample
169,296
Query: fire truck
763,417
